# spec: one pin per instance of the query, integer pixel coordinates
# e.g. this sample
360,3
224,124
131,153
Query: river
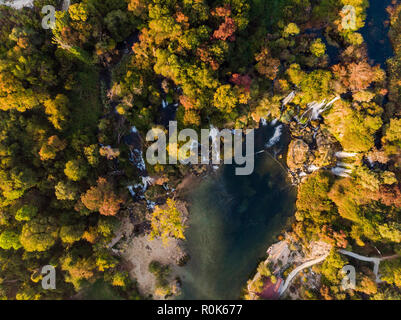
233,219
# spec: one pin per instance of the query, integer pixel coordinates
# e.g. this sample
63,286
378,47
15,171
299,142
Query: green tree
391,271
39,234
26,213
66,190
392,136
16,181
72,233
75,170
354,128
57,110
9,239
104,260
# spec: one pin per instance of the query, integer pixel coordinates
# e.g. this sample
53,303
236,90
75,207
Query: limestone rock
297,154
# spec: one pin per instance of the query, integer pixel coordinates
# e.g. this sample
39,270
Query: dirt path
376,261
294,272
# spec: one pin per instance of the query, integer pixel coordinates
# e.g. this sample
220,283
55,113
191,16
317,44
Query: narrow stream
233,219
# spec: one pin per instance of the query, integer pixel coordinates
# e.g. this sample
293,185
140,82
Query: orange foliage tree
357,76
267,65
102,198
226,30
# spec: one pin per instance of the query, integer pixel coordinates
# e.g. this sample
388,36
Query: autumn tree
392,136
225,98
66,190
358,75
291,30
14,182
266,64
26,213
354,126
57,110
9,239
318,48
39,234
71,233
75,170
49,149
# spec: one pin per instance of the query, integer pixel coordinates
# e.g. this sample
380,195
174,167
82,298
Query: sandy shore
141,251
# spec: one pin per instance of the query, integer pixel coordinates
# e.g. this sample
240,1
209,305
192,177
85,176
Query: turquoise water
233,219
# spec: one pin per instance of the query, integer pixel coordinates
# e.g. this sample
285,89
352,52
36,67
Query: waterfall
276,136
344,165
194,147
164,104
146,181
141,163
263,121
313,168
150,204
66,5
341,172
131,190
213,132
343,154
236,132
205,158
274,122
134,129
317,108
332,101
289,98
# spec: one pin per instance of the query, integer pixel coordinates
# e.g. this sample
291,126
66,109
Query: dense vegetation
70,100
